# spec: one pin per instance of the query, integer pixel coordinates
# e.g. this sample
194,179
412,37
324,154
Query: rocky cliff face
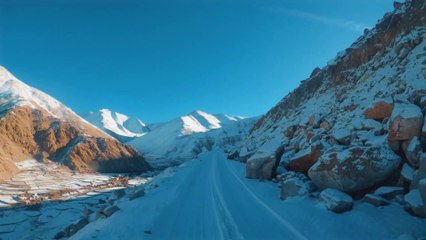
34,125
353,124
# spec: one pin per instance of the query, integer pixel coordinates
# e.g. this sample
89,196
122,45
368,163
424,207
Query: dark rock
388,192
375,200
336,200
72,229
137,194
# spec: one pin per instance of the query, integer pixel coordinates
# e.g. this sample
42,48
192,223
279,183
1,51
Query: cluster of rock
317,157
355,125
104,209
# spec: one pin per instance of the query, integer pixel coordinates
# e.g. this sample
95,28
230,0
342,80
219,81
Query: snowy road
209,198
214,203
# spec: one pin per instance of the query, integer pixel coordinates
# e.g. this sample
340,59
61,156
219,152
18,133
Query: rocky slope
118,125
35,125
185,137
354,124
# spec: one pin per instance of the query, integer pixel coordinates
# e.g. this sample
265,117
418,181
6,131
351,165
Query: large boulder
380,109
336,200
351,169
261,165
304,159
406,122
295,184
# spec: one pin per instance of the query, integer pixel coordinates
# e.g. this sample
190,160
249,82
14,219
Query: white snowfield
117,124
210,198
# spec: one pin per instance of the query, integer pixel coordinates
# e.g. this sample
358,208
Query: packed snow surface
210,198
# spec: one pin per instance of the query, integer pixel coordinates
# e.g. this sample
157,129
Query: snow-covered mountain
185,137
118,125
353,124
34,124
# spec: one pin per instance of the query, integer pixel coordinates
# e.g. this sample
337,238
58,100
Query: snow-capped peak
200,121
14,92
117,124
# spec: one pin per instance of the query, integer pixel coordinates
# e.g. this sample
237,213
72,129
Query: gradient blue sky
158,59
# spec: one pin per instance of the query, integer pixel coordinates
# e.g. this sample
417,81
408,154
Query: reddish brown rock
304,159
325,125
406,122
379,111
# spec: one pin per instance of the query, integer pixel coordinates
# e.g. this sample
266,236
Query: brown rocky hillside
34,125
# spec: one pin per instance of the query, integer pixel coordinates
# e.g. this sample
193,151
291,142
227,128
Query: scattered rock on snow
72,229
414,200
107,212
354,168
137,194
119,193
389,192
336,200
295,184
375,200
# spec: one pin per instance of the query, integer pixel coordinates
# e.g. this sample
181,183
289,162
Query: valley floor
210,198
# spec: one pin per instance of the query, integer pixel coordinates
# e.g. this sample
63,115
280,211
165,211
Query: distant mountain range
174,141
35,125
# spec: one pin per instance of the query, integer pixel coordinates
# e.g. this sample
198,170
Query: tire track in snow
226,223
284,222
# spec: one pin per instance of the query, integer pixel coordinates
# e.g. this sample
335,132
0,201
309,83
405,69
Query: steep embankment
353,124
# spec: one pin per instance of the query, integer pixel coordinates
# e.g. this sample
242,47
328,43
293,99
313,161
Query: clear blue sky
158,59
